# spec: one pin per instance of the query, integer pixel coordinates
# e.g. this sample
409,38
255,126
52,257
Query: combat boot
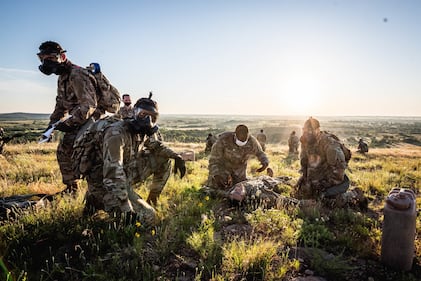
153,197
70,188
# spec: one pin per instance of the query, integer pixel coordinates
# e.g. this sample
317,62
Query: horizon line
254,115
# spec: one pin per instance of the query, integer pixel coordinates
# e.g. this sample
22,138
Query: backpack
347,152
108,96
87,153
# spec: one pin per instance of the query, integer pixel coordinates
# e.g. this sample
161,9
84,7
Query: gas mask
143,124
48,67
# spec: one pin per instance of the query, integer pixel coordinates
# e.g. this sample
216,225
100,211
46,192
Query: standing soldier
76,96
126,111
2,143
229,156
261,137
362,147
210,141
293,143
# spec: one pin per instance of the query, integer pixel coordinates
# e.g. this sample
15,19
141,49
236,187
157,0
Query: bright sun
301,95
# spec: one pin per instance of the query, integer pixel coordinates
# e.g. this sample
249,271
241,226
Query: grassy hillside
200,237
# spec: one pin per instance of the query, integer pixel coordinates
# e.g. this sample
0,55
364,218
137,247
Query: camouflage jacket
263,191
76,95
122,150
261,138
230,160
126,112
293,141
323,164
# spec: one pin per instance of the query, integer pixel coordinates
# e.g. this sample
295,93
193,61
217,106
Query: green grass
198,237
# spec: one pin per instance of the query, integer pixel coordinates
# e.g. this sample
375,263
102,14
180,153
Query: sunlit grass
57,242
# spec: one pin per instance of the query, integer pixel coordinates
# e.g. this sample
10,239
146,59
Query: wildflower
138,224
207,198
200,204
137,234
153,232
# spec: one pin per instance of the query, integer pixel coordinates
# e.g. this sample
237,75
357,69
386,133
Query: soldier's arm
160,149
258,151
85,91
59,110
217,155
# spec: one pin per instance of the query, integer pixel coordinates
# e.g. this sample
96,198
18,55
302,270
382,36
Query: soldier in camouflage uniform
293,143
126,111
229,156
210,141
322,160
124,163
261,138
76,95
2,143
362,147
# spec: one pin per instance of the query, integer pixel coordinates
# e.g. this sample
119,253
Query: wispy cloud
26,91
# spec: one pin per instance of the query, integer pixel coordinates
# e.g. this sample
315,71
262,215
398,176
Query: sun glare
301,95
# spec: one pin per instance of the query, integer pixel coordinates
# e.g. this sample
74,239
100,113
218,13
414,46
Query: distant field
377,131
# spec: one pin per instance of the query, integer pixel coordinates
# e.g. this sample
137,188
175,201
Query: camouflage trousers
114,199
260,192
224,178
64,158
64,154
147,165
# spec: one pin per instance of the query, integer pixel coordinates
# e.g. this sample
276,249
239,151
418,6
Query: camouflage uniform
228,161
109,180
323,165
362,147
122,165
1,140
210,141
154,159
293,143
261,138
76,95
126,112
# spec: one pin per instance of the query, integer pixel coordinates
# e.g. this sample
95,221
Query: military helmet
146,106
242,132
50,47
312,123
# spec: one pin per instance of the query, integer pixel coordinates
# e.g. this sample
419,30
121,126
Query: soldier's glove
179,165
269,172
63,127
261,169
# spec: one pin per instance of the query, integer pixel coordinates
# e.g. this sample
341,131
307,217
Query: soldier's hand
180,166
261,169
269,172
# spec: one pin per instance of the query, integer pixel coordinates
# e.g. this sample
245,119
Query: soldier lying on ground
265,192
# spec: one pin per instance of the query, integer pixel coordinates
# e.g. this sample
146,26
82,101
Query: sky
231,57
